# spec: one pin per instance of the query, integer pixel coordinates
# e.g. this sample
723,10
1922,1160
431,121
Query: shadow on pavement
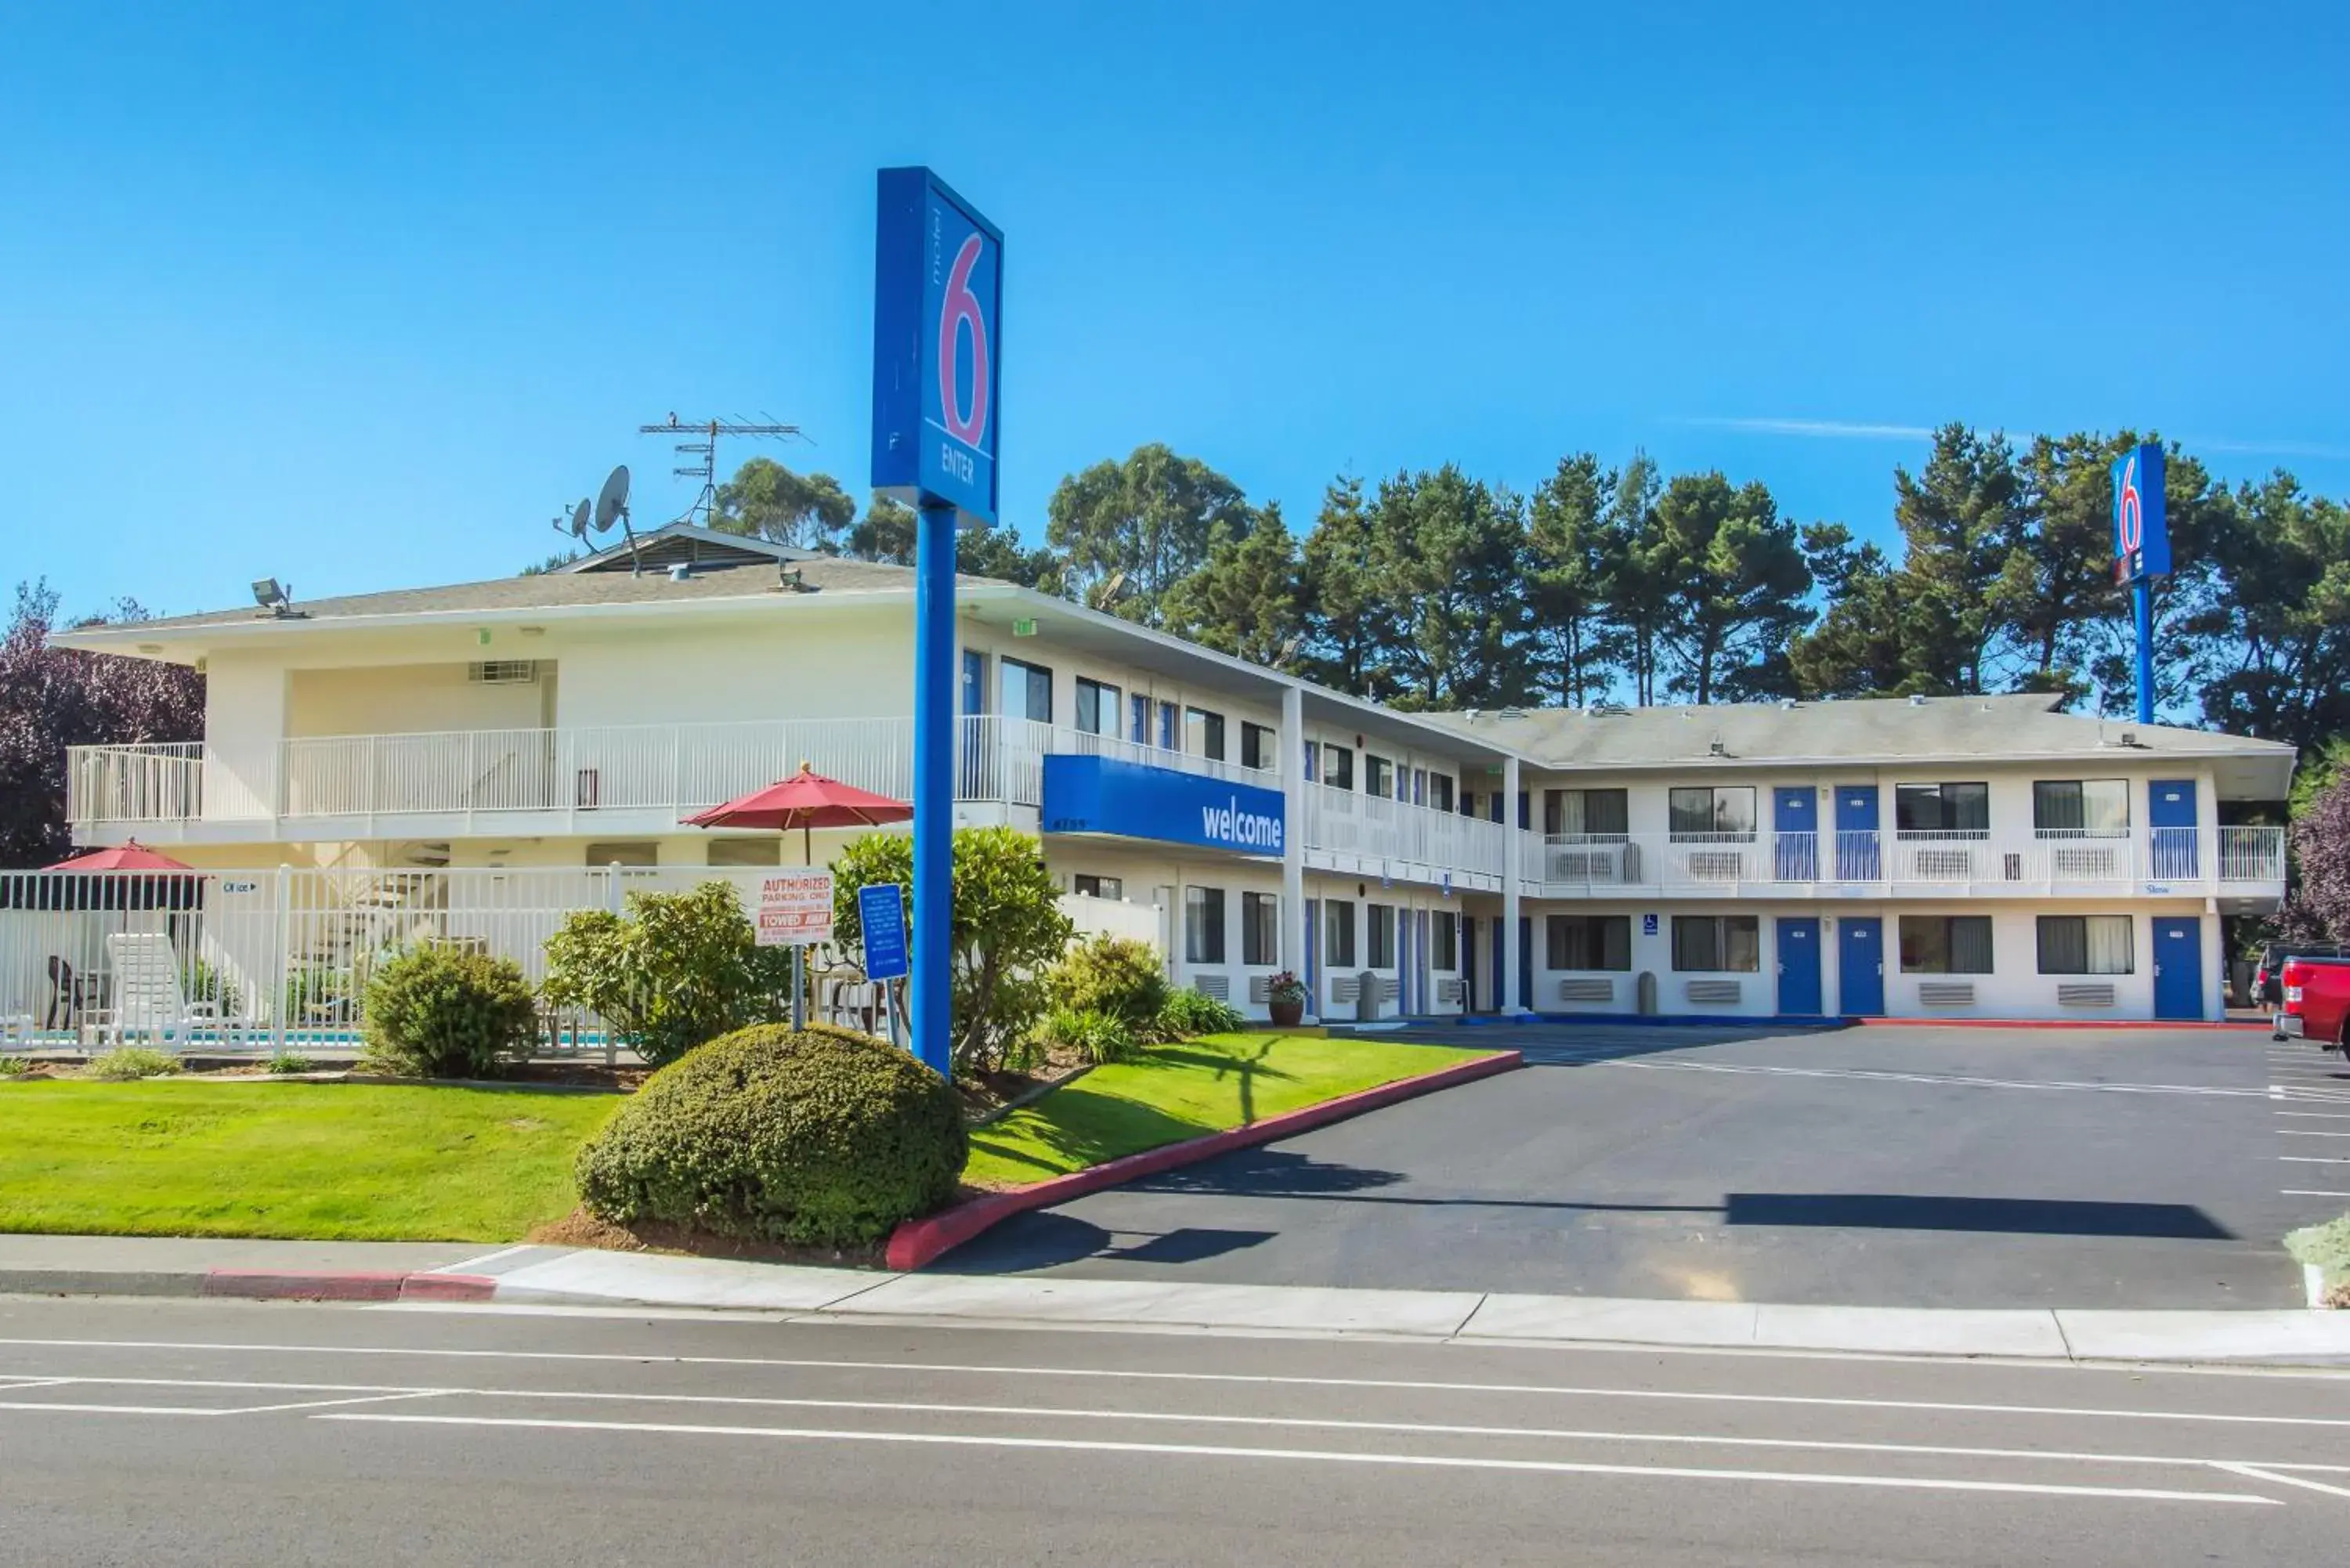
2012,1216
1044,1239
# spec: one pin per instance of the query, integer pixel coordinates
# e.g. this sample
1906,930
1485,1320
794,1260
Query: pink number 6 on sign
960,307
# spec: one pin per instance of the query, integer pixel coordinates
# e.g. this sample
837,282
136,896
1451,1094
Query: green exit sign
1025,626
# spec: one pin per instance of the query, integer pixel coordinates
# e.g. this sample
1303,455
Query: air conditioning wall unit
502,672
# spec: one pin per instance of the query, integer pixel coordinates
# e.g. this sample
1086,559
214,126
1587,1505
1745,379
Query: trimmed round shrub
820,1136
1116,976
439,1011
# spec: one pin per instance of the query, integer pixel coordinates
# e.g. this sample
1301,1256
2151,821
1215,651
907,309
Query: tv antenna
700,451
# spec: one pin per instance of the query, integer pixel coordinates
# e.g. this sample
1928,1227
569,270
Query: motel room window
1027,691
2081,808
2085,944
1167,735
1588,942
1586,814
1260,928
1094,887
760,851
1444,941
974,681
1708,944
1338,766
1440,791
1203,925
1420,786
624,852
1943,810
1946,944
1382,935
1378,776
1203,734
1256,745
1709,813
1096,707
1338,933
1138,728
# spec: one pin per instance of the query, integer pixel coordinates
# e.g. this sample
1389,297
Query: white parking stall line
2259,1472
2308,1132
327,1404
2318,1116
2309,1192
2314,1159
1320,1455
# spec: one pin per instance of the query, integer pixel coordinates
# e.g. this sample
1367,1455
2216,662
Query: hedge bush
820,1136
439,1012
1114,976
130,1063
1188,1015
677,970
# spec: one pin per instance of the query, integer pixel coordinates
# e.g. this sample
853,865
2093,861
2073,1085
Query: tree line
1434,589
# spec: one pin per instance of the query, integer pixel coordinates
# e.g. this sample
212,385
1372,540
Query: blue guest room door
1860,966
2170,826
2178,967
1795,826
1799,965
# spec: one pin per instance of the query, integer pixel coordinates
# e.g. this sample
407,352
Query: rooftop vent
680,571
1513,712
1916,699
1716,748
1786,704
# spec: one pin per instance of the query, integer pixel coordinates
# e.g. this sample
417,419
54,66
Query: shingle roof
557,589
2024,724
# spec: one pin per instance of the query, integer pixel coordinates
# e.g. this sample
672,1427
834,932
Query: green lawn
1176,1092
324,1161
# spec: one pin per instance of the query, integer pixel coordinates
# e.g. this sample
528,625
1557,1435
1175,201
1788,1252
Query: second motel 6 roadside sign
937,341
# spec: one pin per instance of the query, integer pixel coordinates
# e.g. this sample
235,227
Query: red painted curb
919,1242
2064,1023
355,1285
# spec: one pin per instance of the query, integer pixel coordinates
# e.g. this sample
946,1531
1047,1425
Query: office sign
795,907
938,345
2141,532
881,912
1132,799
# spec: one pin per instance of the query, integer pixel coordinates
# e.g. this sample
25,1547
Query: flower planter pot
1287,1014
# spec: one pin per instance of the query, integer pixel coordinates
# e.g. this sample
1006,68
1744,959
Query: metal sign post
937,372
882,915
2141,552
795,910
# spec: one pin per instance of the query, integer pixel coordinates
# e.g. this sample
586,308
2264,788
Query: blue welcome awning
1133,800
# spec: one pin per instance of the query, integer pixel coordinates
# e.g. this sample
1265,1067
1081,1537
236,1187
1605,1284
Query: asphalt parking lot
1939,1167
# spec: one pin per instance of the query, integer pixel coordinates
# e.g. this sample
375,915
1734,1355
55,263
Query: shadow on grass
1087,1127
1249,1064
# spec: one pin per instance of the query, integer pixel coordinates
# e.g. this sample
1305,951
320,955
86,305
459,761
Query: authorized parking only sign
796,906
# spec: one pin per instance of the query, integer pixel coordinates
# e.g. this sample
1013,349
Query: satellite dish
581,516
612,503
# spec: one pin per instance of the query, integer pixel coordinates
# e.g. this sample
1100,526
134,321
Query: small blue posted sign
882,912
2141,532
938,345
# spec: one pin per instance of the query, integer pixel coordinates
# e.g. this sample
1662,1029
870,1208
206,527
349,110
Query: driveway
1884,1166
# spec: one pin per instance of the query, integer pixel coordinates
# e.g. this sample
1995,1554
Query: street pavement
1877,1166
203,1433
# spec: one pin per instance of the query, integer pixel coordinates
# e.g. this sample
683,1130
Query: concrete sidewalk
554,1276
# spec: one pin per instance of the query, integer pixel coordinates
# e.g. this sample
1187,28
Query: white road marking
1939,1079
2308,1192
1186,1417
2307,1132
1249,1378
2260,1473
2319,1116
1429,1462
470,1264
2314,1159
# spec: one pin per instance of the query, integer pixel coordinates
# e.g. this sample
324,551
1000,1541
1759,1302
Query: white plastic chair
147,999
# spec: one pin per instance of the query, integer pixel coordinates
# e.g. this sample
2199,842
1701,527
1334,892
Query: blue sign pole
938,358
934,664
2142,608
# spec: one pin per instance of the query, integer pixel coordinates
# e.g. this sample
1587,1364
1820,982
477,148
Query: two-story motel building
1959,857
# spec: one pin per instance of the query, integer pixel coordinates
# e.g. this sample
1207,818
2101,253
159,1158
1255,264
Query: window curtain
1971,944
2107,943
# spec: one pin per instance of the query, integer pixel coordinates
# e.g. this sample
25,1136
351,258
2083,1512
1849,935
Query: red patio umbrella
808,800
131,856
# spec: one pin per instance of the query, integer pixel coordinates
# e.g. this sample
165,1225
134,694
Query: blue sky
360,299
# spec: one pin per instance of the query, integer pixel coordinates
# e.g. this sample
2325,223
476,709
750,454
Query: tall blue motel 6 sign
937,352
938,372
2141,552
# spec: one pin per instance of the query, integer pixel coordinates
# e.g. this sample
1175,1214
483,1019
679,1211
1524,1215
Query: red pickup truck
2316,1002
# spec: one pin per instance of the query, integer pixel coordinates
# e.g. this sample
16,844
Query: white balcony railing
1346,822
486,774
1596,865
